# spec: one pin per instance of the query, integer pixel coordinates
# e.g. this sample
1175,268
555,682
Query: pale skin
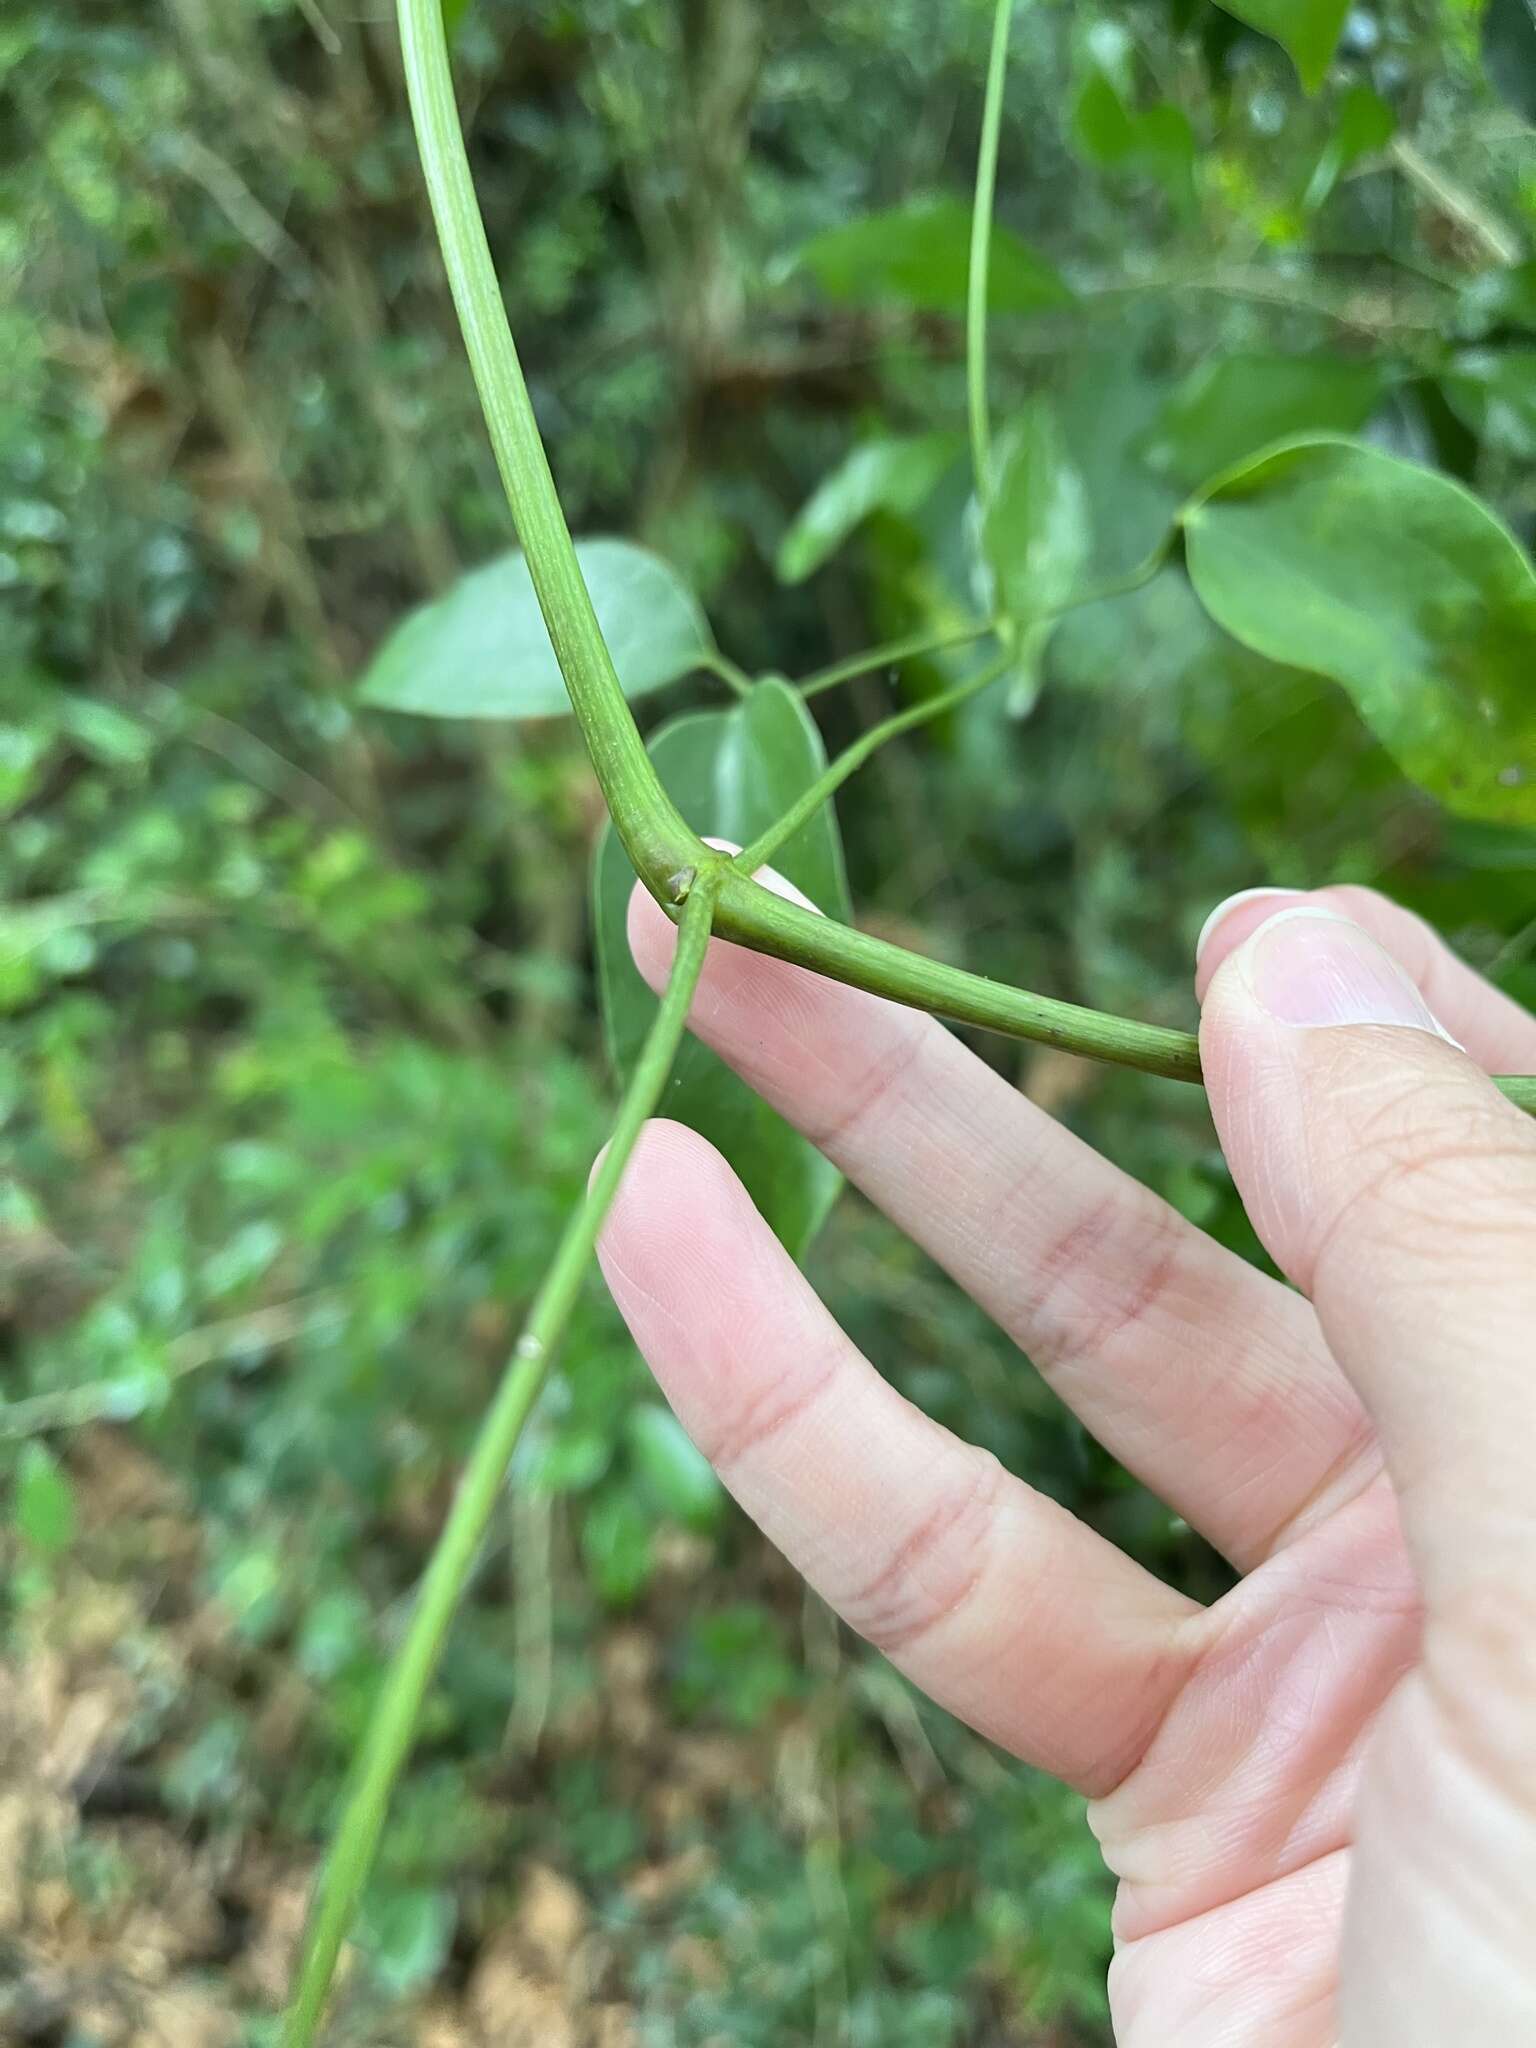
1318,1796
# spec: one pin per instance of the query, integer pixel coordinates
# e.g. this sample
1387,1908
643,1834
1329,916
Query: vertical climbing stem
387,1741
655,837
981,252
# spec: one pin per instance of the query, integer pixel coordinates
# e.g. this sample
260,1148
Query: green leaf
919,255
1107,409
897,474
45,1501
676,1473
1494,392
1364,123
407,1934
1232,406
1157,142
1509,53
617,1547
483,651
1308,30
1035,537
731,773
1398,584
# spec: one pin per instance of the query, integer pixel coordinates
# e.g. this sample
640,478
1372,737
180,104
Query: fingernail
1311,968
1224,910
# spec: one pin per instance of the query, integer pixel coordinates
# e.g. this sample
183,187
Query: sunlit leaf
1308,30
1232,406
1036,535
44,1508
919,255
483,651
896,474
731,773
1401,586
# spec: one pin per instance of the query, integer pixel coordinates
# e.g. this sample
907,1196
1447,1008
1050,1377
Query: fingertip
1234,920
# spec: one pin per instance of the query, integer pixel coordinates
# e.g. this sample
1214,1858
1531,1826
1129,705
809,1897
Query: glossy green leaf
1232,406
45,1501
483,651
1401,586
678,1476
897,474
1509,53
1036,536
731,774
1308,30
919,255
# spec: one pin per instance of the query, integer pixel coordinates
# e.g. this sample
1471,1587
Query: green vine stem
912,647
978,289
853,757
654,836
387,1740
664,852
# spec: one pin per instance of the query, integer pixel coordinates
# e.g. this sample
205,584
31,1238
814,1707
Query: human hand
1319,1796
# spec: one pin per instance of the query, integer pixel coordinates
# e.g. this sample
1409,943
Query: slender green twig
387,1740
721,665
853,757
112,1400
912,647
752,916
979,287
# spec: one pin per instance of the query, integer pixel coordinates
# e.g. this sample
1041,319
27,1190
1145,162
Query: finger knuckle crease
936,1567
879,1086
767,1414
1066,1320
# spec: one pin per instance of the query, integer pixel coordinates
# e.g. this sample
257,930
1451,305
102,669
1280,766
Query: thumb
1397,1188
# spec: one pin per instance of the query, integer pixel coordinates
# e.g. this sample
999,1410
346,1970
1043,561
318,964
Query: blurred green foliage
299,1069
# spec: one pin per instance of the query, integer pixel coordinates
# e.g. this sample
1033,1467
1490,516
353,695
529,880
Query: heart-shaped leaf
483,651
731,774
1397,583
